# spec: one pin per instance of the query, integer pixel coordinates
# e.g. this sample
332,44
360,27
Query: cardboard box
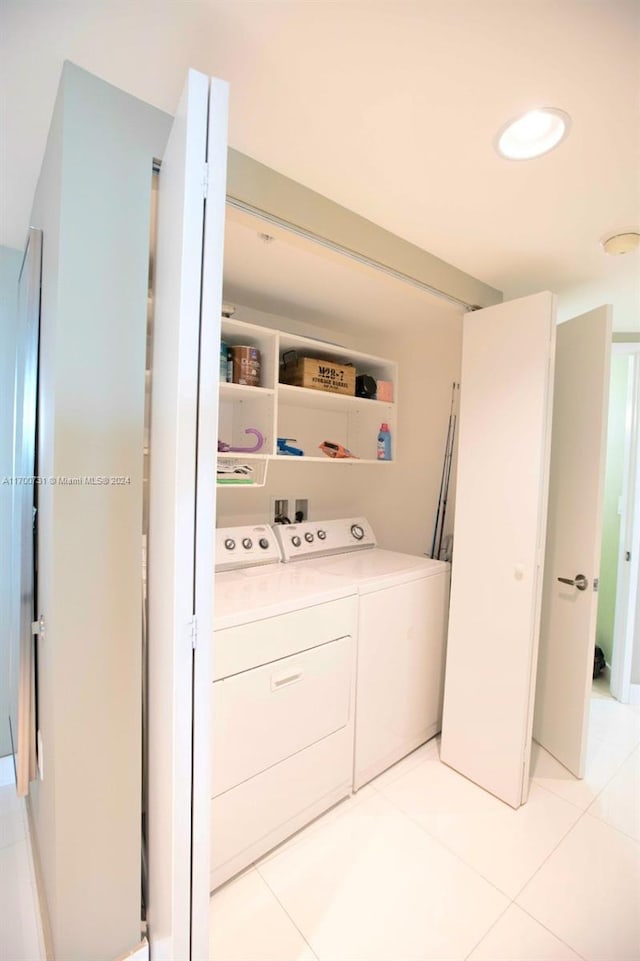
320,375
385,391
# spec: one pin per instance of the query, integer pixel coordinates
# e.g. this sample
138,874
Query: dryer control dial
295,540
230,544
357,531
264,543
247,543
308,537
322,535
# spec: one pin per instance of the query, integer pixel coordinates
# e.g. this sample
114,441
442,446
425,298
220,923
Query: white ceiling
388,107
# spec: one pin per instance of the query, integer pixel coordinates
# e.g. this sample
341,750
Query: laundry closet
508,371
300,724
299,295
370,296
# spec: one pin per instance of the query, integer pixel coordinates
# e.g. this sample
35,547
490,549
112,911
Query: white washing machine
283,700
402,625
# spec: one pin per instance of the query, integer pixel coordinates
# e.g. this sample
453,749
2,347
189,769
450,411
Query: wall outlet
280,510
301,509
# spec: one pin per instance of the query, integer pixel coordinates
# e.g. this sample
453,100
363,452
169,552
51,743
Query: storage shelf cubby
310,416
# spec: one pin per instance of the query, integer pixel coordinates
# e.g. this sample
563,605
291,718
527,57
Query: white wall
93,204
10,261
399,499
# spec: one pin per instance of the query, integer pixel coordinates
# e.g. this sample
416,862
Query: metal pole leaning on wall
438,531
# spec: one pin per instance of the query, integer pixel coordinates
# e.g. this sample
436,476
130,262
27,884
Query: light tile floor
20,930
421,865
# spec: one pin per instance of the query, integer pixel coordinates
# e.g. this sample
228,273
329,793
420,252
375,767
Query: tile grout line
462,860
566,834
488,931
562,941
608,824
615,774
511,901
562,839
445,847
559,797
548,930
270,889
538,780
345,804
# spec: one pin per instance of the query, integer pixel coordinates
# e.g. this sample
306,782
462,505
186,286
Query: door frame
627,619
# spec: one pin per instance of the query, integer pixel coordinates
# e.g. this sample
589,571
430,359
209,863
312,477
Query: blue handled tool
285,448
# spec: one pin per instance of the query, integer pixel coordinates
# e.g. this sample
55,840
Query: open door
185,367
499,536
570,600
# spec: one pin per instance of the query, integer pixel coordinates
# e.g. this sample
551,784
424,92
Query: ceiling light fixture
533,134
621,243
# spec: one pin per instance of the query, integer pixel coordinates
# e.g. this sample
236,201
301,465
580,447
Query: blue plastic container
384,443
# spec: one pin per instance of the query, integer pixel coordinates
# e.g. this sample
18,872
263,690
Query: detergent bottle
384,443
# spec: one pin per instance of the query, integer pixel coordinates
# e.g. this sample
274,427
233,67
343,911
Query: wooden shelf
325,399
243,392
330,460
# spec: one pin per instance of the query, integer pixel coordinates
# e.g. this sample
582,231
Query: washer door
266,714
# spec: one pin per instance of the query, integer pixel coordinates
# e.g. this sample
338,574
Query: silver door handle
579,581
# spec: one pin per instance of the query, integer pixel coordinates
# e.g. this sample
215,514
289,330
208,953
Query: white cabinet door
499,537
182,510
578,449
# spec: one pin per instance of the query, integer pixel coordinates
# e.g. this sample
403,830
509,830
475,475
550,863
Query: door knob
579,581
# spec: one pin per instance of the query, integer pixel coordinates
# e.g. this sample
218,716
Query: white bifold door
522,460
574,537
22,711
184,413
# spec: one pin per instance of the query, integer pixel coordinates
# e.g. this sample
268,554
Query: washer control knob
308,537
264,543
357,531
322,535
295,540
230,544
247,543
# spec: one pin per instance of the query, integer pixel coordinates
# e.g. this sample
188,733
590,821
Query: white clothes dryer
402,624
283,697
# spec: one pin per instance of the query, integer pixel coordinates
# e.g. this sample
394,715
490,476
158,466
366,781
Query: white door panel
503,462
175,457
208,383
24,499
567,636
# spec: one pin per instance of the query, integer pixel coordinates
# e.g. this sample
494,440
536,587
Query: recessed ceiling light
533,134
622,243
